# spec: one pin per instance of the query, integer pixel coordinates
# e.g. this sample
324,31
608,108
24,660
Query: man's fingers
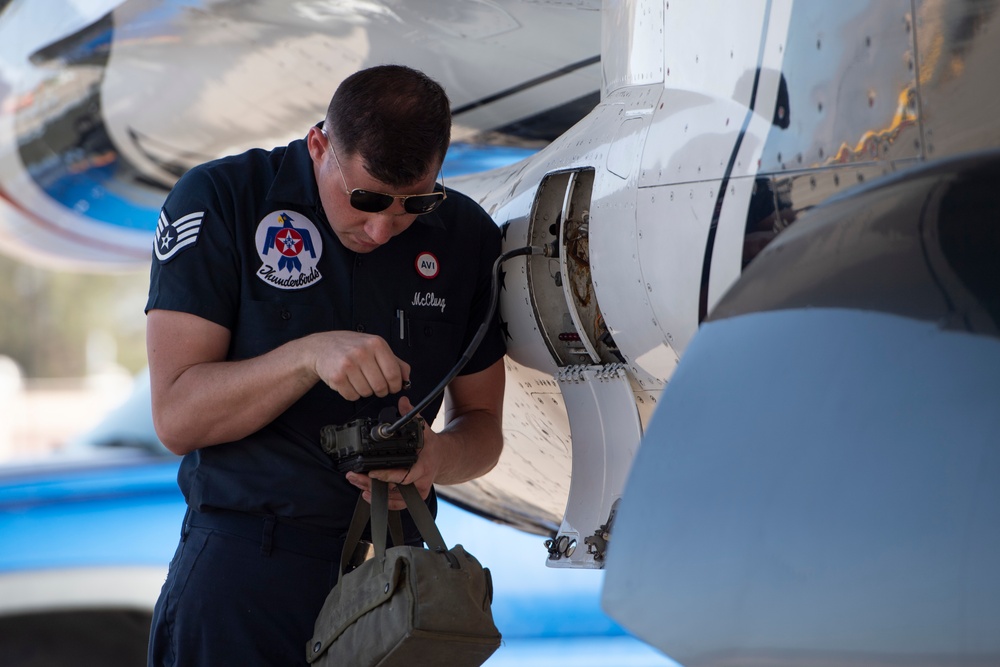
380,375
360,481
358,365
404,406
390,475
393,369
363,483
358,384
376,381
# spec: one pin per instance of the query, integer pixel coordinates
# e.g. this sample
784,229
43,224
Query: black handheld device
359,446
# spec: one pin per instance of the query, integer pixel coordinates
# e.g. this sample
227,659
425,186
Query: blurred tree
48,317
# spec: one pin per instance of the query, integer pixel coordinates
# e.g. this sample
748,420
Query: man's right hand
201,399
356,365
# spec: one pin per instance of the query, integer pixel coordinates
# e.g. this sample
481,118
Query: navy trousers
242,590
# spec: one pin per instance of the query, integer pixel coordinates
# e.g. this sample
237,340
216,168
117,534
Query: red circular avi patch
427,265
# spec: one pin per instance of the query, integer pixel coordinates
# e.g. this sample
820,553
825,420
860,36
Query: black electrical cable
385,431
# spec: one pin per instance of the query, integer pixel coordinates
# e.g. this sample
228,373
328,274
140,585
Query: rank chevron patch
172,237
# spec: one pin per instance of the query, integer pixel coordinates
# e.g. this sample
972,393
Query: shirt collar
295,180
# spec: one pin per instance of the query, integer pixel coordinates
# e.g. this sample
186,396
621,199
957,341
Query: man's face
359,231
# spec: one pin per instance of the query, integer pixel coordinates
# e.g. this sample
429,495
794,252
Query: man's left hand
421,474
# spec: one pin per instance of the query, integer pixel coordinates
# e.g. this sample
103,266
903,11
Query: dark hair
396,118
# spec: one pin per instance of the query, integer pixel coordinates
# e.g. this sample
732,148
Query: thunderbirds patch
172,237
289,246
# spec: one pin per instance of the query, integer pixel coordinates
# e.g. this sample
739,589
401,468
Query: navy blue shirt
244,242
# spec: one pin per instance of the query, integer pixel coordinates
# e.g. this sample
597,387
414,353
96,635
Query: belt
270,532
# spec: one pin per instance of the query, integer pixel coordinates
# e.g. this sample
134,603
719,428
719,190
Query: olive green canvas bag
406,606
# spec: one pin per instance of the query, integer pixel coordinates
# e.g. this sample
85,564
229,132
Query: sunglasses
376,202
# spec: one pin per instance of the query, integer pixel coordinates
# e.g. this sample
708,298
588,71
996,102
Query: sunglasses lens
376,202
370,202
423,203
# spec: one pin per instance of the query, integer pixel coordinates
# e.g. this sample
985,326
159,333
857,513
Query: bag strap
418,510
380,516
362,514
422,517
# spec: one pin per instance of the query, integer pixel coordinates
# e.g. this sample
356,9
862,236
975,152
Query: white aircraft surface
107,102
773,263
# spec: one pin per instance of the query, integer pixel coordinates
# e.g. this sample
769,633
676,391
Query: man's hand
421,474
357,365
199,398
468,447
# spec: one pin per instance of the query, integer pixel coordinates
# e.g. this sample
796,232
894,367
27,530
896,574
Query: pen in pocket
401,322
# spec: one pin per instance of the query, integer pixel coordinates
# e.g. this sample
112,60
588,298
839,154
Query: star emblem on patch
289,246
174,236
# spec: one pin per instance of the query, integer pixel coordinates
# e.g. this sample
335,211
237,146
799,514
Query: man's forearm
468,447
221,401
200,398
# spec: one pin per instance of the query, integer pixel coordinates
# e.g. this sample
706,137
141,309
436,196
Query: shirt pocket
430,344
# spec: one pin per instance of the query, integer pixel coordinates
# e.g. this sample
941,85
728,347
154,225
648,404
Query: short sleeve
493,346
195,267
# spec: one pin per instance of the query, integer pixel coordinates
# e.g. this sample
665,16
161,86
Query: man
292,289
